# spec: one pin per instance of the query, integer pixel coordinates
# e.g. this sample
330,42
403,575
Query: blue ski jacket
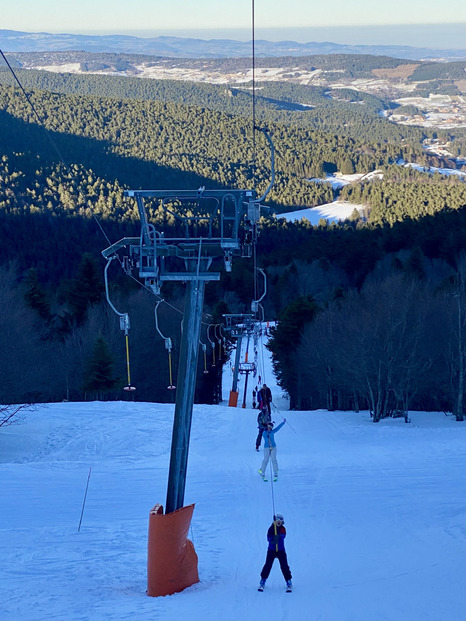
269,436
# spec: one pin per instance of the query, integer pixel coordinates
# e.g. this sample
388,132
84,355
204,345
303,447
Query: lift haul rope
261,344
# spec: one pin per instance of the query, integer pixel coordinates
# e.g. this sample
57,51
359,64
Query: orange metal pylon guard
171,558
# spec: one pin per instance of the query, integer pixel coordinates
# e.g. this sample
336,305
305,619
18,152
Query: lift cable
36,114
253,40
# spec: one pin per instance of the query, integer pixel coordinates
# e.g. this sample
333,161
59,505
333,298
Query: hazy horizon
433,36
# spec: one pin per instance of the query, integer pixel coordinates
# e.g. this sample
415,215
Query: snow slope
374,514
333,212
342,210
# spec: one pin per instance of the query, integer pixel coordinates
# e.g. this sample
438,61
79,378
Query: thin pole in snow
84,501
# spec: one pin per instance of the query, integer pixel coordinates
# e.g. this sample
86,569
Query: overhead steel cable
36,114
253,41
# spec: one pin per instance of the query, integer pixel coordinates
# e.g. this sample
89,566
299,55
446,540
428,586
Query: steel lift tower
209,224
206,225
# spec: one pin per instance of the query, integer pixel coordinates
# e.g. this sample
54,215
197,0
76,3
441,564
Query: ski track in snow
374,514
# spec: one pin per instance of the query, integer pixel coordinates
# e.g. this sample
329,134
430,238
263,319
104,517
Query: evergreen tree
346,165
85,289
415,263
285,340
98,373
35,295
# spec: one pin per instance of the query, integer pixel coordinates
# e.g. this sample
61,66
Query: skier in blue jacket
276,549
270,449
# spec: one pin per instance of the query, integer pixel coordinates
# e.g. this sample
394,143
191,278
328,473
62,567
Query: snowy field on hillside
332,212
341,210
375,514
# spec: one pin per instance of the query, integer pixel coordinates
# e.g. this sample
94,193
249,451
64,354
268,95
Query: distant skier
259,399
263,419
276,549
265,395
270,450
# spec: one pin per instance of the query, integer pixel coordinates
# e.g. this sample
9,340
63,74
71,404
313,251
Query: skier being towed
276,549
270,450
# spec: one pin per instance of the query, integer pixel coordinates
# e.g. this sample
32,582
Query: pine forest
370,312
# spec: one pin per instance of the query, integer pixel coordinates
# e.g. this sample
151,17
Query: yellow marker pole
127,360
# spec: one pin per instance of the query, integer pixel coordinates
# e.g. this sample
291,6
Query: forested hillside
72,147
288,102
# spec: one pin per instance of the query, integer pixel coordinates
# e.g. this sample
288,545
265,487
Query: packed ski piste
373,513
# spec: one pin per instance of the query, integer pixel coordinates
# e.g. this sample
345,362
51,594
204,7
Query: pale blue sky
155,15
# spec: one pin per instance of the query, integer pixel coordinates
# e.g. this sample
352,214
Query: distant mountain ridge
177,47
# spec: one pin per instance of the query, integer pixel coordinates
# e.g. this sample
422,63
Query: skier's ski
289,589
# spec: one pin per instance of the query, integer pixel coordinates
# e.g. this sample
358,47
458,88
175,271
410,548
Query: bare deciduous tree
369,344
8,413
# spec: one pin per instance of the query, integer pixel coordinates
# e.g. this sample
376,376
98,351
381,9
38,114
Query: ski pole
84,501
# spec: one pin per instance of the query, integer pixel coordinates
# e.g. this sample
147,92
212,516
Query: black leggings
271,556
